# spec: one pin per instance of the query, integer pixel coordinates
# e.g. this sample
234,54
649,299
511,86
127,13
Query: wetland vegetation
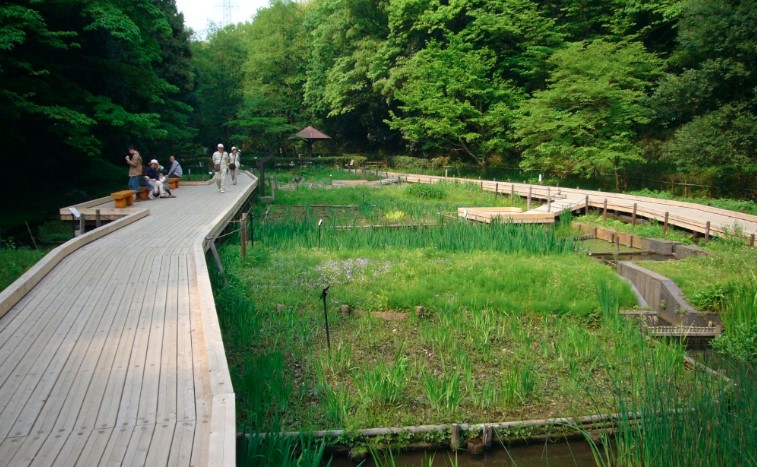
518,325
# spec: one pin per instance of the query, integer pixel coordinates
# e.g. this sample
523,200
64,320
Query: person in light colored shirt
220,166
234,164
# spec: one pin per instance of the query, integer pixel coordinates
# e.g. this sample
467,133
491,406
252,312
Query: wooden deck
114,356
706,220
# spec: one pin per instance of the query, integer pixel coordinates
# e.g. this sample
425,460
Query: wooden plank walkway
115,357
690,216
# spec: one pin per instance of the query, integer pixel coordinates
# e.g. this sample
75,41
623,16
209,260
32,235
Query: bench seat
173,183
123,198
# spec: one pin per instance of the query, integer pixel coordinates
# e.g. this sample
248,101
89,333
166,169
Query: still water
574,453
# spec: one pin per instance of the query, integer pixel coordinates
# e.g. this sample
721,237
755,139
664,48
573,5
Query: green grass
705,279
15,262
517,323
651,230
711,425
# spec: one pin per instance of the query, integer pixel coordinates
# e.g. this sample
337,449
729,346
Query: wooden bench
124,198
143,193
173,183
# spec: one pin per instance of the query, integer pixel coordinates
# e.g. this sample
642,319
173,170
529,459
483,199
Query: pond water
568,453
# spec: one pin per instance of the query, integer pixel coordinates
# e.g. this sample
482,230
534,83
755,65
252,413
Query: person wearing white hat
156,180
234,164
220,166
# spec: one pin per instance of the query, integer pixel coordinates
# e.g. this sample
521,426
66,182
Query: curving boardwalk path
115,357
690,216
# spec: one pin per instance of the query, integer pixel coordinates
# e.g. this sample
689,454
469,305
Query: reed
443,393
277,450
382,384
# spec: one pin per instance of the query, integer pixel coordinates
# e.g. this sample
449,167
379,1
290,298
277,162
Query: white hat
154,161
233,148
220,145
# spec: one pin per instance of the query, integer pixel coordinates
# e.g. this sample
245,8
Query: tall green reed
278,450
457,236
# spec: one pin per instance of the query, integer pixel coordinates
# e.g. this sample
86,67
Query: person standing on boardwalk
234,164
220,165
135,170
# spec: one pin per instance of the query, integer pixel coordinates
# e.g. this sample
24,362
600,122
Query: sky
198,13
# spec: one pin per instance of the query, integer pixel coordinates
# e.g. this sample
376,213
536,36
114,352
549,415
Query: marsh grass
711,425
514,321
280,451
705,280
651,230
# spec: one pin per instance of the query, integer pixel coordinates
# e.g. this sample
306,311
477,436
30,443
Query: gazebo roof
311,133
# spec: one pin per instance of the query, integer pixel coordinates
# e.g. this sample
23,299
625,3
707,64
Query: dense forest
615,89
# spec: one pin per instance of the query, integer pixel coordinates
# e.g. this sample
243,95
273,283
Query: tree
346,38
707,102
219,67
589,117
276,44
719,147
85,78
448,102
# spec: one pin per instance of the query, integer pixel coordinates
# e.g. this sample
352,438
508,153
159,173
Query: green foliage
82,80
705,279
449,101
713,415
587,119
274,49
651,230
278,450
219,64
719,145
409,163
16,261
739,314
427,191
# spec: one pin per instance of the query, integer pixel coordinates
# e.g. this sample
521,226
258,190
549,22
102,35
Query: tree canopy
607,90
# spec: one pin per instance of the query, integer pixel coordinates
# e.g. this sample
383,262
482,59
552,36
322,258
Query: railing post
496,189
528,200
97,218
633,216
707,232
604,210
549,200
454,436
665,225
244,235
586,206
751,240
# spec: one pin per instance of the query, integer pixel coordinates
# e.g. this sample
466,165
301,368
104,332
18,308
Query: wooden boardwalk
706,220
115,356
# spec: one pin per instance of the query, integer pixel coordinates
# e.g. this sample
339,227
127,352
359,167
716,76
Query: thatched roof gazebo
310,134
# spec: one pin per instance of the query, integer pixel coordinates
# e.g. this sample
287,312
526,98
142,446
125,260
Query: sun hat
233,148
154,161
220,145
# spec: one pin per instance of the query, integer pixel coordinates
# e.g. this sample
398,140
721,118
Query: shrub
407,162
427,191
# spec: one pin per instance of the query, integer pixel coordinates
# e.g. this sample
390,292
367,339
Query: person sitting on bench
174,168
157,181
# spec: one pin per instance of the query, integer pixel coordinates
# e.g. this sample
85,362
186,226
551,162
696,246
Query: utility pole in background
228,7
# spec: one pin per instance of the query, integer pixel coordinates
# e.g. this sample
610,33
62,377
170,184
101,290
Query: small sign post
326,315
